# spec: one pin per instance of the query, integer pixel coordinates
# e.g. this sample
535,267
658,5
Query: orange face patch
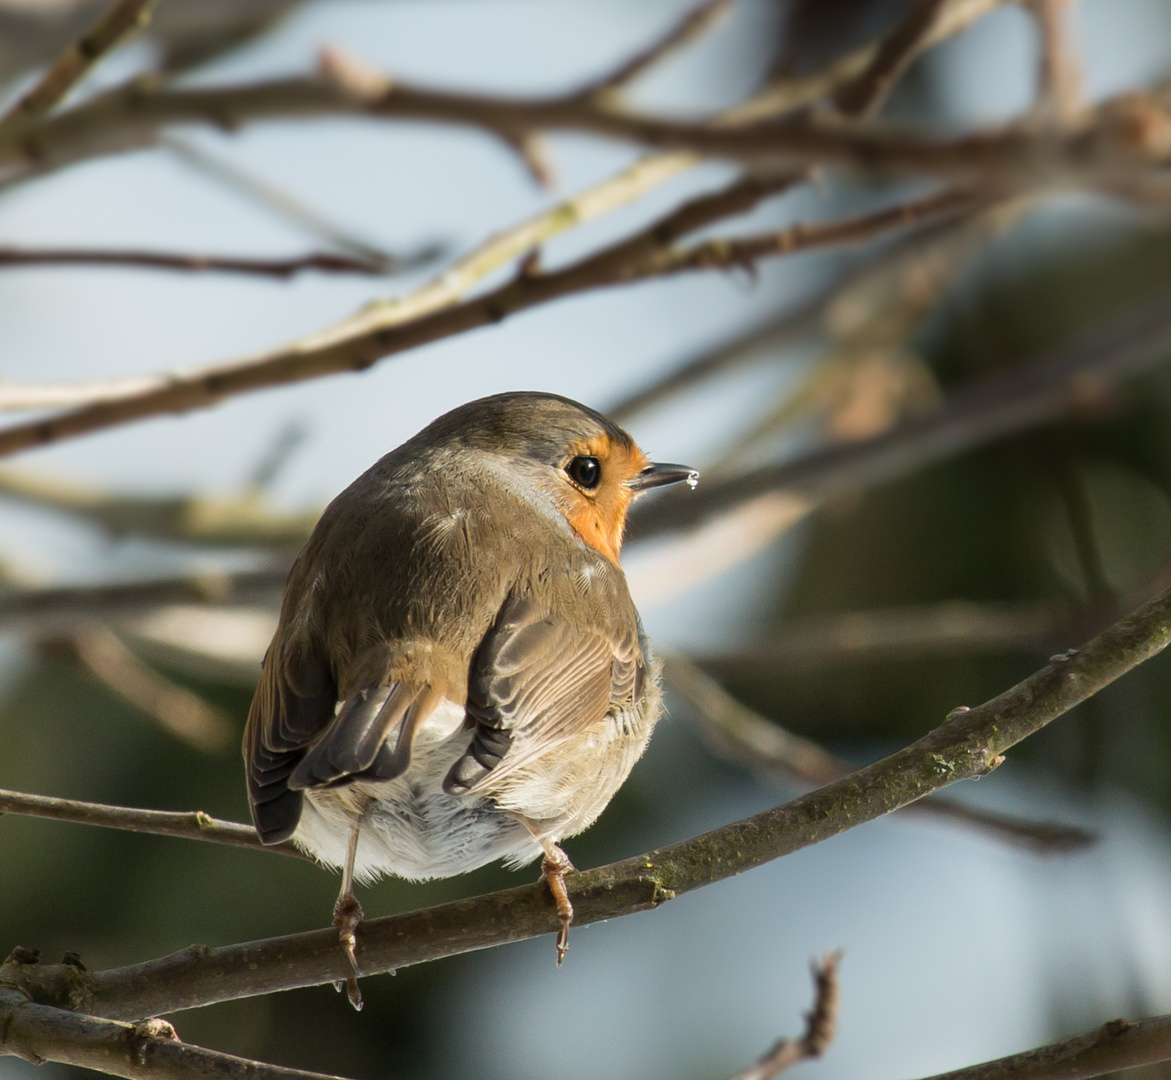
599,516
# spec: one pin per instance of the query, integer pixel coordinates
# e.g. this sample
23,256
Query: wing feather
535,681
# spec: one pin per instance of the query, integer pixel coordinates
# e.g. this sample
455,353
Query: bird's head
584,463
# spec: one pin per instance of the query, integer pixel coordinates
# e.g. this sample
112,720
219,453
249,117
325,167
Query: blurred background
857,622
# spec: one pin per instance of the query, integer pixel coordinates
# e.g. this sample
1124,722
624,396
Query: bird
458,673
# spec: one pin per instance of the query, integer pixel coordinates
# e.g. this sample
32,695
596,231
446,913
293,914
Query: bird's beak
657,474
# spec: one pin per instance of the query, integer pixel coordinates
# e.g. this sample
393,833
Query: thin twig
176,709
79,59
741,735
611,194
245,519
1076,376
388,330
866,94
281,202
189,825
954,626
146,1050
693,25
820,1026
321,261
60,607
721,253
970,742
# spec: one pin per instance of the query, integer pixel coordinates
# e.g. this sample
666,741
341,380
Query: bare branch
738,734
693,25
322,261
820,1026
866,94
1005,160
794,92
969,743
189,825
79,59
385,331
745,251
289,208
1059,79
176,709
1116,1045
146,1050
134,116
59,608
1077,376
950,627
225,521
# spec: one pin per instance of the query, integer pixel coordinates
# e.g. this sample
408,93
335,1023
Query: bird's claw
347,915
554,869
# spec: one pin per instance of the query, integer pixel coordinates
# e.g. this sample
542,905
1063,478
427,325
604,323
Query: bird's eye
585,472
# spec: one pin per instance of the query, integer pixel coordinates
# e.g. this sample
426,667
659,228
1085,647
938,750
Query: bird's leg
554,868
347,914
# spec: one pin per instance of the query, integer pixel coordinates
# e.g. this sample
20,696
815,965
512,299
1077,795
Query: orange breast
587,521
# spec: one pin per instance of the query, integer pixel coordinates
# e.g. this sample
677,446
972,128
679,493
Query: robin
459,674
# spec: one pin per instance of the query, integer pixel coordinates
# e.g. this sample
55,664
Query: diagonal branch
740,735
969,743
693,25
1078,375
283,204
866,94
820,1027
79,59
134,116
388,330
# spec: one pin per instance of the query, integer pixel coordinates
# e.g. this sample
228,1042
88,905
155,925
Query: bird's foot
553,870
347,914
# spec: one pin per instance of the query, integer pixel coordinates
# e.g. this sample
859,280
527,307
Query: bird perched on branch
459,674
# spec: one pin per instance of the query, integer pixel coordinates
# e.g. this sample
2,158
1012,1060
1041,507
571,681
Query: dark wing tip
276,819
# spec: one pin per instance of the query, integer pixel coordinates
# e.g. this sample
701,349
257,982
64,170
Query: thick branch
144,1051
1116,1045
969,743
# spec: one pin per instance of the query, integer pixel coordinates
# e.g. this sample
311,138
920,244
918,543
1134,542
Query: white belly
413,828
